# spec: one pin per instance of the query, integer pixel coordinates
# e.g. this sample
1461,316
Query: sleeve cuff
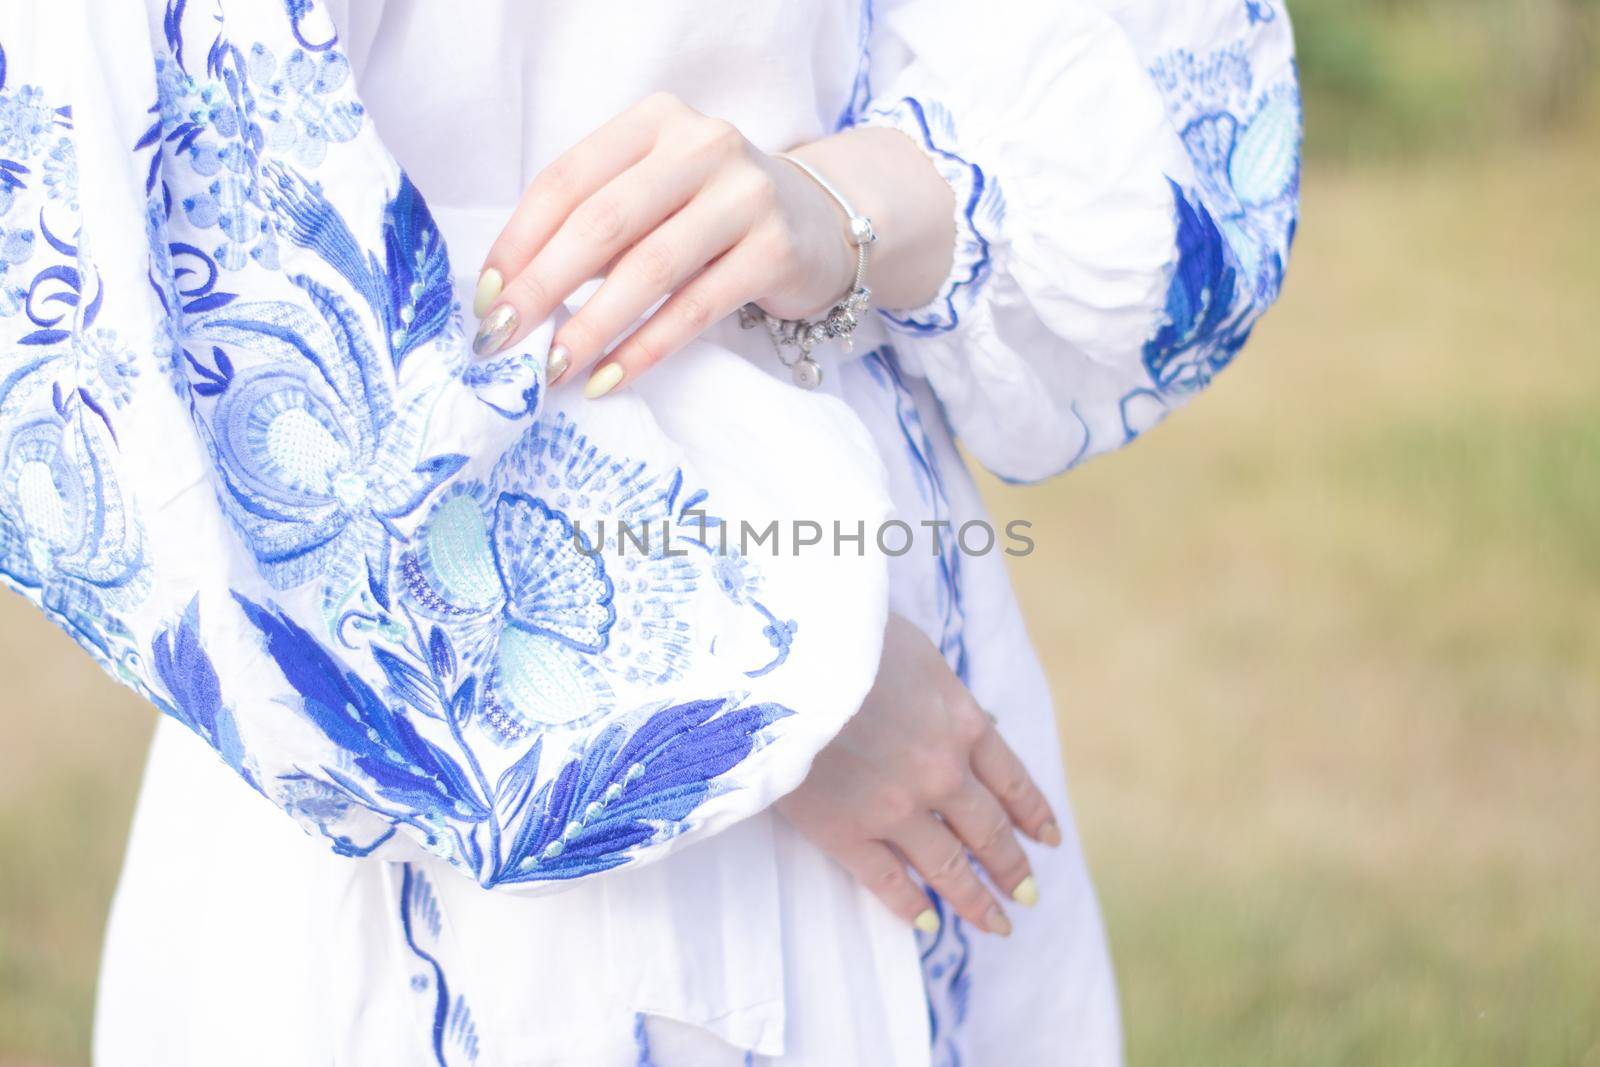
979,212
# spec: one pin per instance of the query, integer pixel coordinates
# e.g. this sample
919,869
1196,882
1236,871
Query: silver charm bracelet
839,324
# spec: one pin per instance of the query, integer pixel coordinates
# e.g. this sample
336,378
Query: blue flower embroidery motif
318,464
1233,227
510,578
106,362
61,173
34,150
320,458
636,781
245,106
68,536
200,123
1245,146
16,249
65,531
27,121
549,606
300,104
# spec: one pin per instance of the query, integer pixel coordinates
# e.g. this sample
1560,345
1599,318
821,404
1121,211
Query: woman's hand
921,777
668,203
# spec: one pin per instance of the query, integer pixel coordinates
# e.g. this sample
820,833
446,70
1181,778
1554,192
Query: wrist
890,180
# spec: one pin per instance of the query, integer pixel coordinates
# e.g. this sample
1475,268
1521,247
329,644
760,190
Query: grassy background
1326,646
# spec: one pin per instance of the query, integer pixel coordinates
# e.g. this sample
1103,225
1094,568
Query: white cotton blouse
1126,178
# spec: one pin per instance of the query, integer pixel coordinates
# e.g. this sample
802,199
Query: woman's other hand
920,777
670,204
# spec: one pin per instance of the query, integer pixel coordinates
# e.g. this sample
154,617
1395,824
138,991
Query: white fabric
236,939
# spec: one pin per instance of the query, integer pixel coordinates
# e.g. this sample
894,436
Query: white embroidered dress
570,861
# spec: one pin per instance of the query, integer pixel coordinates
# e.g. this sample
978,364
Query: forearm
886,177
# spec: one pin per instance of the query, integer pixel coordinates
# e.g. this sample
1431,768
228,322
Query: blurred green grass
1432,78
1326,648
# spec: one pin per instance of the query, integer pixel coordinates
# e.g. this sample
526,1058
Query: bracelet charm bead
794,339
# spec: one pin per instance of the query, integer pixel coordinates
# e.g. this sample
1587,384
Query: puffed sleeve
412,599
1126,179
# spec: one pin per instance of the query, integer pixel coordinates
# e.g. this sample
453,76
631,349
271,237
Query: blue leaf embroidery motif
407,768
185,668
622,788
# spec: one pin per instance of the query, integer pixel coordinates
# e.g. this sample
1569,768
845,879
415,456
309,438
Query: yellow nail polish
489,285
997,923
1026,893
1050,834
927,921
602,381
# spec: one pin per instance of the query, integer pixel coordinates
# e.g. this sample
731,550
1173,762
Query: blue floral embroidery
454,1033
61,173
319,465
453,610
301,107
634,782
1233,228
1244,142
547,610
319,456
506,575
1204,325
319,461
220,124
67,535
947,953
1259,11
516,376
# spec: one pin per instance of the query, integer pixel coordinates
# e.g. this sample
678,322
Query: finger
983,825
657,265
598,229
576,174
933,850
876,866
999,769
717,292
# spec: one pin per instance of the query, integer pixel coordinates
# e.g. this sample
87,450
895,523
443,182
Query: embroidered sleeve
1126,178
408,598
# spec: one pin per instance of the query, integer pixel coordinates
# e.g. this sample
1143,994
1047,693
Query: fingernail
602,381
556,364
495,330
1026,893
928,921
489,285
1050,834
997,923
